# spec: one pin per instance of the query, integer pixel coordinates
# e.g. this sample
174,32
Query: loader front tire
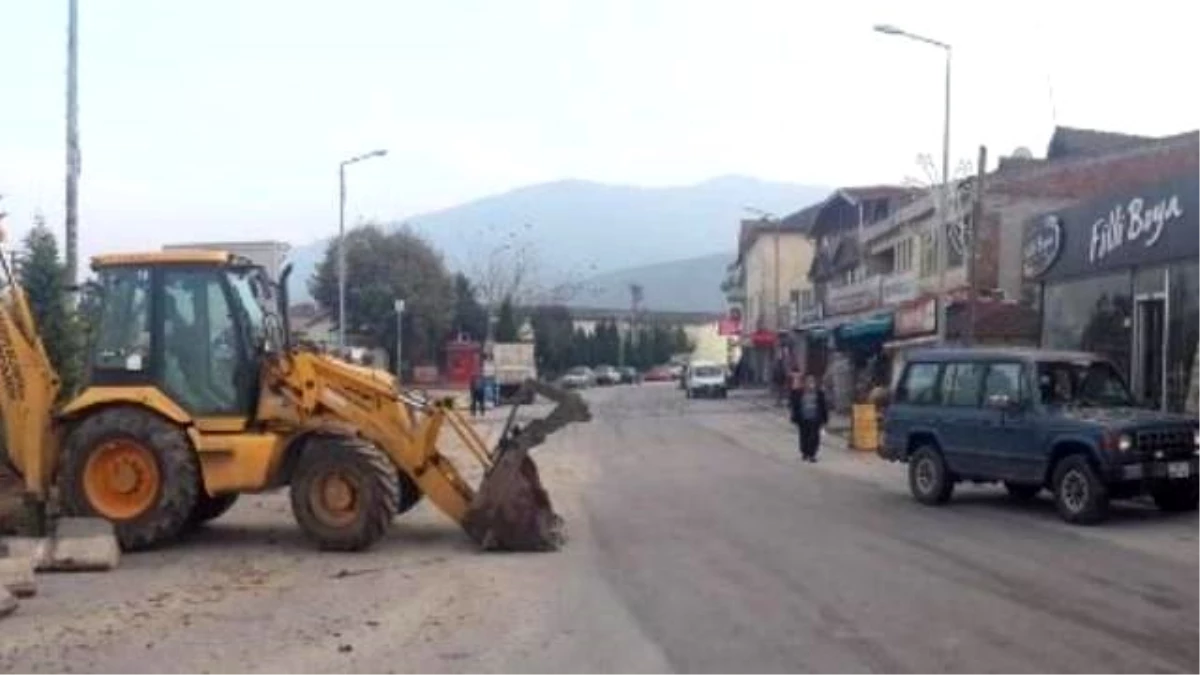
133,468
345,493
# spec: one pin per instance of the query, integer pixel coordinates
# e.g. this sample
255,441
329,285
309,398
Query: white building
270,254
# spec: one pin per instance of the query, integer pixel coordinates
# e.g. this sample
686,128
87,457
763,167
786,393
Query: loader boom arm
308,392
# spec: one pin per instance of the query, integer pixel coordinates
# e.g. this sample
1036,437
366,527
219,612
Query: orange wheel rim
335,498
121,479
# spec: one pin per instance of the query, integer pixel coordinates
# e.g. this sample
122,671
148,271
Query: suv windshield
1095,383
706,371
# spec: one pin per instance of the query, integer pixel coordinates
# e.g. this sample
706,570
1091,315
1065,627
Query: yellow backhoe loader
195,395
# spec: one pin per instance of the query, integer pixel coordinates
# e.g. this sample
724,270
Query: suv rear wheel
1177,496
1079,494
928,478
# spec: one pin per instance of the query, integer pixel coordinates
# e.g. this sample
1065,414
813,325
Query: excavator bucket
511,510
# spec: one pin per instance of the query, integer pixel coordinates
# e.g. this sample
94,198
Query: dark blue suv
1036,419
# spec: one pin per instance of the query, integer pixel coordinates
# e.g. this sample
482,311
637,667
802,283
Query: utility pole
399,305
73,157
973,248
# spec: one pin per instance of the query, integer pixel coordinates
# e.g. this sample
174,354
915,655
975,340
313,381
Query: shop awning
875,328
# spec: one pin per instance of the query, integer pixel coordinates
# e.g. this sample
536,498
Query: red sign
763,338
727,327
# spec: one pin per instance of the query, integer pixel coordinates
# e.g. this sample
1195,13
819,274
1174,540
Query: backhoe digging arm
28,390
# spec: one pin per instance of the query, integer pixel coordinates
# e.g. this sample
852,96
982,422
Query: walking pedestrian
810,412
477,395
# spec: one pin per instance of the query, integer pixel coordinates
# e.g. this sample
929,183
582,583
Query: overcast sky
227,119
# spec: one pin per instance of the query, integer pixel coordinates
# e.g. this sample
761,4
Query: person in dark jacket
478,390
810,412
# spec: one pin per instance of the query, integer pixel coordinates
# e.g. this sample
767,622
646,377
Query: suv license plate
1178,470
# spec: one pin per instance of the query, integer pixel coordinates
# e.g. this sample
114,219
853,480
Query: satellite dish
1022,153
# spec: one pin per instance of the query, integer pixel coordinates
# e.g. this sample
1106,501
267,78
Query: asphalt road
699,542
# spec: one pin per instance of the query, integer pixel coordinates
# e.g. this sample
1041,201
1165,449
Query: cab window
201,344
122,342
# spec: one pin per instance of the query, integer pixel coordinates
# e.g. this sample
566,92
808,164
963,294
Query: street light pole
341,259
940,243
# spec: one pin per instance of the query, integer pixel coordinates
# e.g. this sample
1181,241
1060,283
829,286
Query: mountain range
674,241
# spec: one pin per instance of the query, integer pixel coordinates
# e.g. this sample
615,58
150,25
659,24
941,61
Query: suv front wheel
928,478
1079,494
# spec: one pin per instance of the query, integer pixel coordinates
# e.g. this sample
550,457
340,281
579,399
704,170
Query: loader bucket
511,510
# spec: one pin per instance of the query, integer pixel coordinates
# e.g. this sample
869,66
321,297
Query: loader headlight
1125,443
1196,438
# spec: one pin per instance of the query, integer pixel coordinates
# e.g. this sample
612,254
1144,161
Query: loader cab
188,323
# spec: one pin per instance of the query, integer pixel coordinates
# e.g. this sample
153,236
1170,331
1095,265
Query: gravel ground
699,542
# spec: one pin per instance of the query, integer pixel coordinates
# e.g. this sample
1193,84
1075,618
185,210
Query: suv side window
919,386
1005,379
962,384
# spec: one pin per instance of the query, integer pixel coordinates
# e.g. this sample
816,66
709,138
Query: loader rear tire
135,469
210,508
345,493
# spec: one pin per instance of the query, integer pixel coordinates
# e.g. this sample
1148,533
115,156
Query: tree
380,269
507,327
470,318
553,333
43,274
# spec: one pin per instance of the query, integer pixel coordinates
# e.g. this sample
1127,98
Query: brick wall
1095,176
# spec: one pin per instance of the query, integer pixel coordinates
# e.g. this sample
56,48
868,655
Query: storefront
1118,276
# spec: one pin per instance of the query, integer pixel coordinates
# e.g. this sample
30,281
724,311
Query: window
1091,315
920,384
928,254
962,384
807,300
123,338
201,343
1004,379
902,255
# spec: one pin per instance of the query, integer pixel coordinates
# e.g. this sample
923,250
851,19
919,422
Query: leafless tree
506,263
952,202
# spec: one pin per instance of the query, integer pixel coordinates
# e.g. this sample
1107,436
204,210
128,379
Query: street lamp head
888,29
377,153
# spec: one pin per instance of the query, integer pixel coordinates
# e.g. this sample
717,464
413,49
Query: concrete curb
17,577
8,604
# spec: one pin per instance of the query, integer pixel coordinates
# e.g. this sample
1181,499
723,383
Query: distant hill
587,229
691,285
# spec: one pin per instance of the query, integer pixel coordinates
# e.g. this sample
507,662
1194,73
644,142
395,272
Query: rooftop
179,256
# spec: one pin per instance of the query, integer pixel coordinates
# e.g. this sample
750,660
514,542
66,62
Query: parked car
705,379
607,376
1034,420
629,375
579,377
658,374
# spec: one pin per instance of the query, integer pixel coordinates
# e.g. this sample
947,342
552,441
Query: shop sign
763,338
916,318
1146,226
1137,222
899,288
1043,244
857,297
811,314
